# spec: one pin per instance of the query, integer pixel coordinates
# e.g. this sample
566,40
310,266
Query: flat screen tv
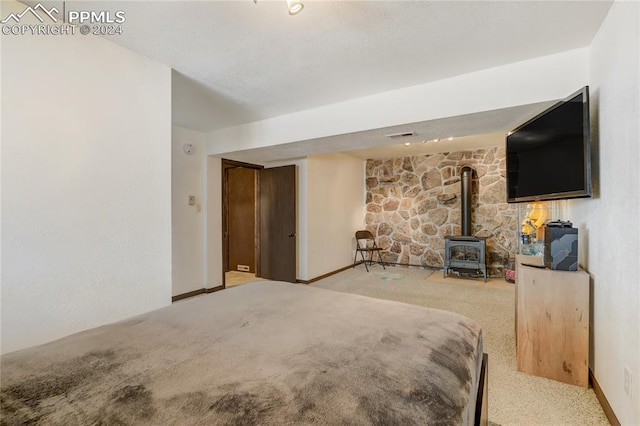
549,156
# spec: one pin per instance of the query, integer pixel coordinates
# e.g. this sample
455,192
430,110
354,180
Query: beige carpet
514,398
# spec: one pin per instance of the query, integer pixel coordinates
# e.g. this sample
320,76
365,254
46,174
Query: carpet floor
514,398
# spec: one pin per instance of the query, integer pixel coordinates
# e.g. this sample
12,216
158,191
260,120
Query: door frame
226,165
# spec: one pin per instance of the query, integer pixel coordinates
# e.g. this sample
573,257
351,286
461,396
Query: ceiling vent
400,135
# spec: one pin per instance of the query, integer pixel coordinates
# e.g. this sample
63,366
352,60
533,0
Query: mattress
261,353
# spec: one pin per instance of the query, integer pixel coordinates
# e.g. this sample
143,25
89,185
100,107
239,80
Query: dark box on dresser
561,248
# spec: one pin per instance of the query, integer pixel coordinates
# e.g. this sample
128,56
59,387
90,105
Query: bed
261,353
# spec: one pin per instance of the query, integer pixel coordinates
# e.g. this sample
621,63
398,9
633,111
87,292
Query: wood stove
465,251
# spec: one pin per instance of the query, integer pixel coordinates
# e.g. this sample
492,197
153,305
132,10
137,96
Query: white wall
335,210
609,223
213,225
187,222
86,180
536,80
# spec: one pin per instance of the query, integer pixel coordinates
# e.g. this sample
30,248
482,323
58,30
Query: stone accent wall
414,202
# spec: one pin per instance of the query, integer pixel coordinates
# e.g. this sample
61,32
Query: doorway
240,222
258,223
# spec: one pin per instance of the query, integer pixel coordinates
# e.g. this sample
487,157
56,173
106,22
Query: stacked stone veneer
414,202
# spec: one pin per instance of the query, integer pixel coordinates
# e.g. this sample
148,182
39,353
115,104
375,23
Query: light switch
192,200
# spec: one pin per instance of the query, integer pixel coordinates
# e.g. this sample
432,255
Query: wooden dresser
552,323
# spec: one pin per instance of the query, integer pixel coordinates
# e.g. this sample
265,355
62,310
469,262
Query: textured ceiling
236,61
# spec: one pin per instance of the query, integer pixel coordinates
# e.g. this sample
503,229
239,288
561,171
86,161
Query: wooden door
278,223
242,219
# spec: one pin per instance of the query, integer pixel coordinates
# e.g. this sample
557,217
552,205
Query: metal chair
365,243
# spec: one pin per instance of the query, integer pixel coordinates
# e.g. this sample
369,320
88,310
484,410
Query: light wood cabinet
552,323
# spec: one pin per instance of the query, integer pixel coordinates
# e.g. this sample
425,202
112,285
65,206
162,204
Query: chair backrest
364,235
368,239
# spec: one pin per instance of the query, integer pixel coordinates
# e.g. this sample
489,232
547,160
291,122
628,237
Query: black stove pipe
467,174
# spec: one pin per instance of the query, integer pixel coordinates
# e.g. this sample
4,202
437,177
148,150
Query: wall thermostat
187,148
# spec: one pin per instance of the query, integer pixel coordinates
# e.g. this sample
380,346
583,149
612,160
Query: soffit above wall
470,131
236,62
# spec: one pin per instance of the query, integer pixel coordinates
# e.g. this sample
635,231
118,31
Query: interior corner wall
187,221
609,232
86,185
335,210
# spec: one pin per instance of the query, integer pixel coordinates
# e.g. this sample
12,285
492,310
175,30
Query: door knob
293,234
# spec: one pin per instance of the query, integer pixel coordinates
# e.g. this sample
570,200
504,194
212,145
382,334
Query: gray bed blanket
262,353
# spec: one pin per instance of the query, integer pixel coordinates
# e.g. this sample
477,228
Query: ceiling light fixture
407,143
295,6
450,138
436,140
